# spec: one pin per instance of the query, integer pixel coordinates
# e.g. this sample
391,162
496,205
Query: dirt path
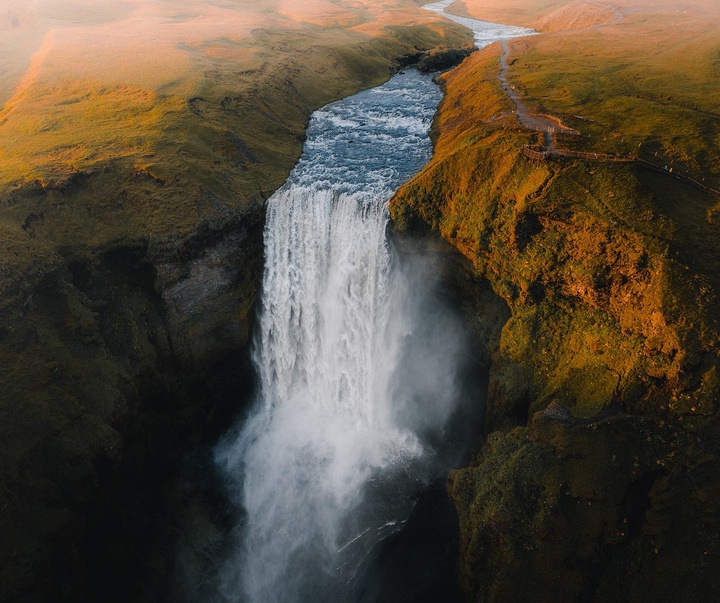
618,15
549,125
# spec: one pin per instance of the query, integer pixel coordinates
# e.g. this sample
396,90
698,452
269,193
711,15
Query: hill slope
599,476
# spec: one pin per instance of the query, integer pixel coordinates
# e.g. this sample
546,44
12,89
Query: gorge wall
599,474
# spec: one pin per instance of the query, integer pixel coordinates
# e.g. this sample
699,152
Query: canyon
133,204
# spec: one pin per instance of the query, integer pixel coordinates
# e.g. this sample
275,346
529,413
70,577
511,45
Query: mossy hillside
602,510
609,356
576,245
131,257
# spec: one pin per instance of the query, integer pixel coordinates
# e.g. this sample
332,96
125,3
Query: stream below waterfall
363,363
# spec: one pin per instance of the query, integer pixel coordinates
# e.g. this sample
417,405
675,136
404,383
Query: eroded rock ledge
136,357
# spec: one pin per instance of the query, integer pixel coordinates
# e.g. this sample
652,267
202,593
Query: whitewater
358,355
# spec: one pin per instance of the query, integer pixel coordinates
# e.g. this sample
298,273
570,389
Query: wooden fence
543,155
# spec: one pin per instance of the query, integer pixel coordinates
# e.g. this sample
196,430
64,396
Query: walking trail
542,123
551,125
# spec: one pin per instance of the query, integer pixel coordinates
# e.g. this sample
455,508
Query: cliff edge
599,473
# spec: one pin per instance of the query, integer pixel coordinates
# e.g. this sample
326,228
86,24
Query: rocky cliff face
120,358
599,475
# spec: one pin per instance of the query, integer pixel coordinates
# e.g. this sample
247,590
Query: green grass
645,84
612,297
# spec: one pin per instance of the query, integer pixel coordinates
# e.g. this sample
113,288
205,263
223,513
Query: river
359,354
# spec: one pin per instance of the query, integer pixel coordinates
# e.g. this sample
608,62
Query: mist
360,376
359,357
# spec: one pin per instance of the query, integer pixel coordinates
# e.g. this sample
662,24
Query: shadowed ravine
363,364
342,440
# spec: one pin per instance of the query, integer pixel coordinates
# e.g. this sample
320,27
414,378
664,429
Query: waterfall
357,360
360,361
327,352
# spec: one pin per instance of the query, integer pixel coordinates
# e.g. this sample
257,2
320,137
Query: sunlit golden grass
116,82
645,84
47,136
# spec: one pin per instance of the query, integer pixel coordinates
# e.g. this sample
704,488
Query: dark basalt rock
443,58
439,58
150,355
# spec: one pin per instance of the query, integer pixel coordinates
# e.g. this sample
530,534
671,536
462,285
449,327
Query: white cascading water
358,361
328,352
329,463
